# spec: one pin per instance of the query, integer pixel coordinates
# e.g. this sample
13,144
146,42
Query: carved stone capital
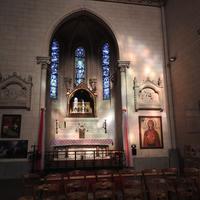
43,61
123,65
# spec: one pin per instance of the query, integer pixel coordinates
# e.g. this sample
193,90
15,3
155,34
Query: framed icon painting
150,130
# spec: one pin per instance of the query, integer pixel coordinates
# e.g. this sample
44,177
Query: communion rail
83,159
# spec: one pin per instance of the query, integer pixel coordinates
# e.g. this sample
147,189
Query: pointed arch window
54,69
80,65
106,70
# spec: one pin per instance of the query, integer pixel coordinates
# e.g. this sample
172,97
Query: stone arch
58,23
56,110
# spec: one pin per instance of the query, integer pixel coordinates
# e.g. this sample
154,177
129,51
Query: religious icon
11,125
150,132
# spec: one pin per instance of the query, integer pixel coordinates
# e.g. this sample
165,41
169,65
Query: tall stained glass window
80,65
106,71
54,69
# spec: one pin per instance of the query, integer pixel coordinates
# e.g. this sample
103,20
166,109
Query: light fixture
172,59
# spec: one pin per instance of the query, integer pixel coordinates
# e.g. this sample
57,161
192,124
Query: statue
93,83
75,105
83,106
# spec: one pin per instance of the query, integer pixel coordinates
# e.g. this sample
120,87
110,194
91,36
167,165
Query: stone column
123,66
44,63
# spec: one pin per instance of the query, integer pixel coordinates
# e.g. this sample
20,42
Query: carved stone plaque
148,95
15,92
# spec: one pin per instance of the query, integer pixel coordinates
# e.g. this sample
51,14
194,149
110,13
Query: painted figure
151,136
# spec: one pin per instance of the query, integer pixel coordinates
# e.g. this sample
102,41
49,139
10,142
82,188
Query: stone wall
27,30
182,19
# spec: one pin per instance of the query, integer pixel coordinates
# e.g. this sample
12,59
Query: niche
81,102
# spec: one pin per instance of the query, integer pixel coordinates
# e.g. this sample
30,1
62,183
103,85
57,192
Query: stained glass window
80,65
106,71
54,69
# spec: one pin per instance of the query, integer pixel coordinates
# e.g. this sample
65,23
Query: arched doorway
84,42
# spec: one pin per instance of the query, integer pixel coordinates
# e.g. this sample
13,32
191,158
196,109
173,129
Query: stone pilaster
123,66
44,63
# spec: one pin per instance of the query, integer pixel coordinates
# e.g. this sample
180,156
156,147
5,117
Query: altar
81,142
81,137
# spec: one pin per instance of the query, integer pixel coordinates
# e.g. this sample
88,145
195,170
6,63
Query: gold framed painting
150,130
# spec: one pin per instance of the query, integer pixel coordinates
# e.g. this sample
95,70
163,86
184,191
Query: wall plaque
15,92
148,95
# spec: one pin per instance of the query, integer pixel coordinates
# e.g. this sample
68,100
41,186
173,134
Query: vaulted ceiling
156,3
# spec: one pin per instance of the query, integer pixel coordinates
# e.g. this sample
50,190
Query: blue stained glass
106,71
54,69
52,91
54,81
80,65
80,52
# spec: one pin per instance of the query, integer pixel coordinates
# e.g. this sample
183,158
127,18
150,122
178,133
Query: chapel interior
99,99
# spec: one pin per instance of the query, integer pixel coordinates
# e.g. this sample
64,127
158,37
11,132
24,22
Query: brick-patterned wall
182,19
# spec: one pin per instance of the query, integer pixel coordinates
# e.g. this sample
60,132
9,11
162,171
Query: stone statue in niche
83,106
75,105
81,101
93,82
